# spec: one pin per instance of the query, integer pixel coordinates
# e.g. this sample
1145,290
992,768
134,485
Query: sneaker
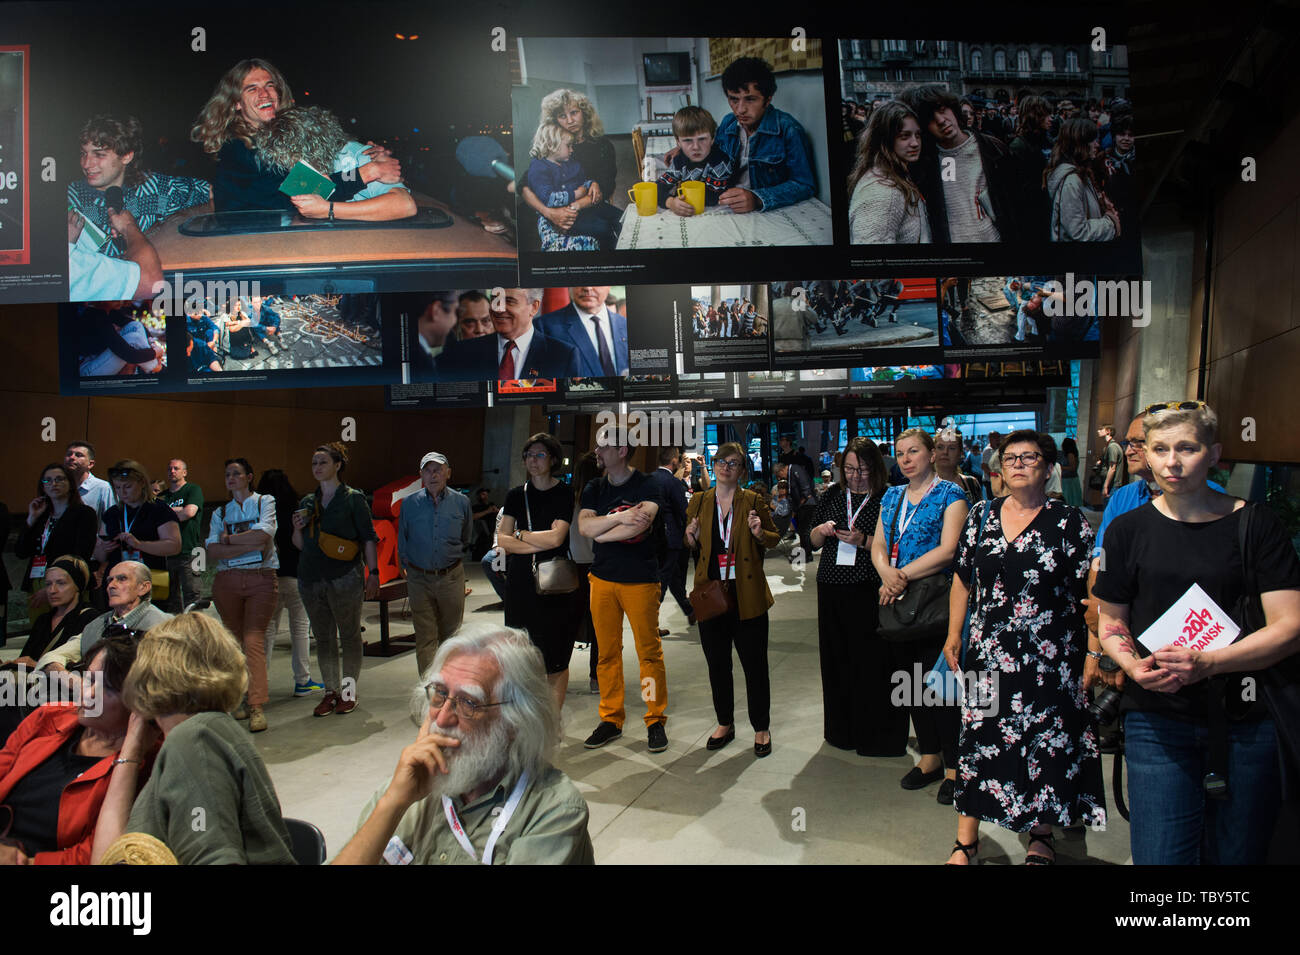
657,737
241,711
305,689
256,719
326,706
604,733
344,706
594,686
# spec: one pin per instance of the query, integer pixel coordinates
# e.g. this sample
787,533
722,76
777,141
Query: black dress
1028,753
856,685
552,621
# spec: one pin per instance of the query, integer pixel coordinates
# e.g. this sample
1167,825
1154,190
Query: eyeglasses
537,456
58,479
730,464
1135,443
466,709
1174,406
848,470
1027,459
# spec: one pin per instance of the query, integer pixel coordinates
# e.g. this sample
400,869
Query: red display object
384,511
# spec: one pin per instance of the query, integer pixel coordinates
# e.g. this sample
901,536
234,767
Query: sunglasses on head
121,474
1174,406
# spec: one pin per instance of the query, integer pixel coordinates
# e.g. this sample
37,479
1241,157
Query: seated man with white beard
477,785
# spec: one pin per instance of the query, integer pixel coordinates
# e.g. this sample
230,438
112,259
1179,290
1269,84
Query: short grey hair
530,715
534,294
143,575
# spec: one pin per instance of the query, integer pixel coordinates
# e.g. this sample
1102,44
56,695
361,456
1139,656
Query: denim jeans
1171,820
495,577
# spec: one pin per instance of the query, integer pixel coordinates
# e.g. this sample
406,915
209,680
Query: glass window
1071,61
976,61
1000,61
1022,61
1048,63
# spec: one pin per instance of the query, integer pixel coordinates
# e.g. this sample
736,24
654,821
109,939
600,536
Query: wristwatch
519,534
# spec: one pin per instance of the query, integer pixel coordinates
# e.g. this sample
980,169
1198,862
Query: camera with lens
1105,705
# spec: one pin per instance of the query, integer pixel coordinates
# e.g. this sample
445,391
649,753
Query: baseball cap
435,457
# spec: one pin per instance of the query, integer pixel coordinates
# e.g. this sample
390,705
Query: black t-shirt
34,799
629,561
143,523
1150,561
547,507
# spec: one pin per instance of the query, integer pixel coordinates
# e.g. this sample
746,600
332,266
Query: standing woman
242,541
1080,210
916,537
275,483
1028,754
1070,486
57,523
534,528
947,464
1178,699
332,582
139,527
584,472
731,538
885,206
857,714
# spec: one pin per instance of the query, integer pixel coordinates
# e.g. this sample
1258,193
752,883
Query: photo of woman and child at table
756,159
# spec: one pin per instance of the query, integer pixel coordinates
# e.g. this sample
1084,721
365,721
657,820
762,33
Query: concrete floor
806,803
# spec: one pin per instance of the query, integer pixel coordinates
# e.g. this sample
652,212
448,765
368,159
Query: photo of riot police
835,319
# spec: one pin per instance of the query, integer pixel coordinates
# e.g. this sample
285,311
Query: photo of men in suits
596,331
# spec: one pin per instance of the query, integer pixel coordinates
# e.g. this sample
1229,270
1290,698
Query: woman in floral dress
1027,755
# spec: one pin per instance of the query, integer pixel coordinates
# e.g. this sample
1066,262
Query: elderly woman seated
209,798
55,769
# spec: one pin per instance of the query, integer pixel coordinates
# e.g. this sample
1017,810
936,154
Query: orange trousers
640,602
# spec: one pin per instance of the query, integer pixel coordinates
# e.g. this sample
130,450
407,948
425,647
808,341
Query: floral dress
1028,753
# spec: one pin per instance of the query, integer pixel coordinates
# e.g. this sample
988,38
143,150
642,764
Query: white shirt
520,353
94,277
606,331
256,513
98,494
743,181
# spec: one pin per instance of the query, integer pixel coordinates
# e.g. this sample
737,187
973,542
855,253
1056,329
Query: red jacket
36,739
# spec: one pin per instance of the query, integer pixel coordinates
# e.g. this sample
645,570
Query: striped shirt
150,201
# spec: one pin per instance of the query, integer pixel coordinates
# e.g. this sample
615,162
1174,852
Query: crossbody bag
921,613
331,545
713,598
556,575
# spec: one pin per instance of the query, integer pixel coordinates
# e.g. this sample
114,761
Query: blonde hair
547,140
1203,419
920,434
188,664
138,473
559,101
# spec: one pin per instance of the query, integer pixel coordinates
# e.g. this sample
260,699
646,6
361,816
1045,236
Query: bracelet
1096,655
331,212
119,761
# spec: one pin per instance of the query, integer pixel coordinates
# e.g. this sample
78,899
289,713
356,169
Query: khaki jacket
753,597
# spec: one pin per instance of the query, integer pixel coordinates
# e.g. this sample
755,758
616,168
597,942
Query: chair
305,842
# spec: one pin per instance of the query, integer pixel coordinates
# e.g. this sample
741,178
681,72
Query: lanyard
903,524
126,512
724,527
498,827
848,506
45,533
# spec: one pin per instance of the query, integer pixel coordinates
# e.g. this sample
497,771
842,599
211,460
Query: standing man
618,512
1110,457
433,535
803,502
768,149
186,501
989,461
79,458
672,566
595,331
967,177
484,514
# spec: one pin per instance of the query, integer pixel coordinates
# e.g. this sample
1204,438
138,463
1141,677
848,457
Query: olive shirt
549,827
346,516
210,798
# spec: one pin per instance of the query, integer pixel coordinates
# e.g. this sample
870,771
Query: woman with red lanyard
916,537
736,530
57,523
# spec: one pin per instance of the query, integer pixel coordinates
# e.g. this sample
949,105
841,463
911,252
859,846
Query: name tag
396,853
727,566
38,567
846,554
130,554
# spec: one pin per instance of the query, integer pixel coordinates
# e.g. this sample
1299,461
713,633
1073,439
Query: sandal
1047,839
968,850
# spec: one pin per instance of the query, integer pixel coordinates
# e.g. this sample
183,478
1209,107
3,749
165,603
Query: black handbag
556,576
921,613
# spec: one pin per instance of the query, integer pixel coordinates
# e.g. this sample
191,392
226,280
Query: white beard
475,761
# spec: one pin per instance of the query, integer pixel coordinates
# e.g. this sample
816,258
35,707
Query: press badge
38,567
396,853
131,555
846,555
727,566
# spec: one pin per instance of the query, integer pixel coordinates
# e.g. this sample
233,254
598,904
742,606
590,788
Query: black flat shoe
717,742
947,788
763,749
915,779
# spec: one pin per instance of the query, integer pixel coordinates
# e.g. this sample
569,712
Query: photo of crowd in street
1017,311
952,145
837,319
